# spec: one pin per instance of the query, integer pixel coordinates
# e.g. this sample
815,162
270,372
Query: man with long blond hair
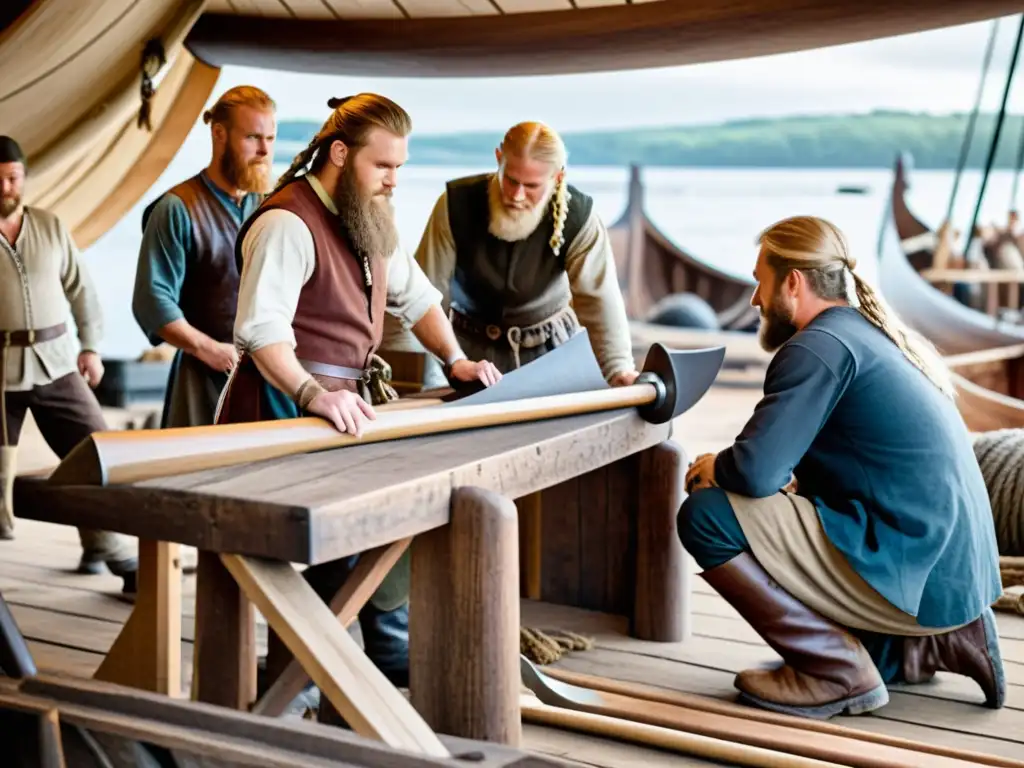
522,261
321,263
849,522
186,284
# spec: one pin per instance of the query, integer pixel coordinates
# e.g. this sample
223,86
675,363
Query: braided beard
368,218
513,224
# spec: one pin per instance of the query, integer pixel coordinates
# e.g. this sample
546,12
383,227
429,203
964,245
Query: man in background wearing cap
41,272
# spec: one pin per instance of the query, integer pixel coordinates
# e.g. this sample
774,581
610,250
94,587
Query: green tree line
869,140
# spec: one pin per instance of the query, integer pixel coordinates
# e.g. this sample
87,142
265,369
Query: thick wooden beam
661,603
345,676
464,620
224,655
147,652
581,40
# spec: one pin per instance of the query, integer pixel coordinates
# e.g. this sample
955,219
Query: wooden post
147,652
464,620
661,606
224,654
530,545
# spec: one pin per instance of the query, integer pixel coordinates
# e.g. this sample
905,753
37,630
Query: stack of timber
951,326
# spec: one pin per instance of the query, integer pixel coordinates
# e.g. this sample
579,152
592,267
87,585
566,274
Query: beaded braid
560,210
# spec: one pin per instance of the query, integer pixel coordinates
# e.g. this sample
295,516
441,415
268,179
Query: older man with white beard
522,260
186,284
321,264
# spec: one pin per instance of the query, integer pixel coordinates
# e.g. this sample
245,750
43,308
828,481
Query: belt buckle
7,339
31,336
493,332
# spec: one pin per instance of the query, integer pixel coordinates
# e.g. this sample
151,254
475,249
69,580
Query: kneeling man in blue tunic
849,522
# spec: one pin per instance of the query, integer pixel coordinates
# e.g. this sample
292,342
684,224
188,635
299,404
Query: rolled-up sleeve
278,259
410,292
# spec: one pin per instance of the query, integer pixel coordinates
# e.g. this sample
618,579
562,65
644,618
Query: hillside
828,141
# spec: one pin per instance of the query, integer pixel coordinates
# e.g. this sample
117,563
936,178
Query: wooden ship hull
653,271
951,326
990,387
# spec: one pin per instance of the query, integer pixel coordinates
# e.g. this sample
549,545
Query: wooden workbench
608,486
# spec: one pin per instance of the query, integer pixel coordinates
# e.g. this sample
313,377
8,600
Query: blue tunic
165,253
887,461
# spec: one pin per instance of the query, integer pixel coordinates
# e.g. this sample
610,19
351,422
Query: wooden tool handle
663,738
690,701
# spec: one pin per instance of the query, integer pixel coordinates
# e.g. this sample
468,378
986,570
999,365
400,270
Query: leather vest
505,283
338,320
209,292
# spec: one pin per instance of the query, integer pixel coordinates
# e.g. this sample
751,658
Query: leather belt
26,338
335,371
496,332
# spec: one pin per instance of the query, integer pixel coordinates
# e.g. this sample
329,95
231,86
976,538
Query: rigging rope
995,136
1020,162
965,146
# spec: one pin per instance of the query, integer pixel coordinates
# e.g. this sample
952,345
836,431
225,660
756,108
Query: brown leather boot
826,670
972,650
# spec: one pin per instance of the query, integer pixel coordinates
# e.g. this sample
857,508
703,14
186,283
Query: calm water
714,214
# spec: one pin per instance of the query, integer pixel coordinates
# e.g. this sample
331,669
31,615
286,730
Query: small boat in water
905,247
663,284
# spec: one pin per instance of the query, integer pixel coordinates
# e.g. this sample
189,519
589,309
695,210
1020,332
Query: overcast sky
934,71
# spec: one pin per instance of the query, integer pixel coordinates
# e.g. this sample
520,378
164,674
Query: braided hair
818,249
350,123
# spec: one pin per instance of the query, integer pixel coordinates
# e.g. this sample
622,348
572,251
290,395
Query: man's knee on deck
708,528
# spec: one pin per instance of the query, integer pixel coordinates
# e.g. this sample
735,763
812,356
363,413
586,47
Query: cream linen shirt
590,268
278,257
41,274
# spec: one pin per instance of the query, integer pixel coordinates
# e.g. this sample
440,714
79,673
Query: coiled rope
1000,454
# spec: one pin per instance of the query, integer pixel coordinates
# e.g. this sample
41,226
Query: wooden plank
965,716
187,725
366,577
365,9
421,9
313,508
345,676
705,681
749,725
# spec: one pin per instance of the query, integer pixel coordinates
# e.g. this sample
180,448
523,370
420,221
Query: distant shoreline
857,141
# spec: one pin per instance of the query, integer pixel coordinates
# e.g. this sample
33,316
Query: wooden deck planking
71,619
